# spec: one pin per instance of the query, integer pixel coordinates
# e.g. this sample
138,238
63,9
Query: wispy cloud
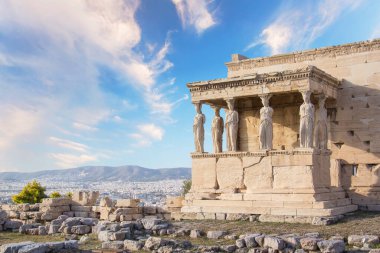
71,160
76,146
376,33
146,134
195,13
297,26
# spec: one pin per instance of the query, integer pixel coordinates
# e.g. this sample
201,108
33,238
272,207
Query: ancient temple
301,136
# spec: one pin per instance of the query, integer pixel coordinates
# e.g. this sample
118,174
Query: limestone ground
9,237
356,223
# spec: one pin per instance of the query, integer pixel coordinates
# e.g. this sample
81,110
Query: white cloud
296,27
129,105
195,13
16,123
60,46
70,160
117,118
76,146
146,134
84,127
151,130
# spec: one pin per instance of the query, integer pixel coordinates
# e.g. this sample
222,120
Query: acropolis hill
302,134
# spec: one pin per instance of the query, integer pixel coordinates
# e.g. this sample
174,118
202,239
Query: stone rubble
49,247
151,232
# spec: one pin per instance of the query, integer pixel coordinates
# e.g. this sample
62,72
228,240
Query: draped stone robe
198,129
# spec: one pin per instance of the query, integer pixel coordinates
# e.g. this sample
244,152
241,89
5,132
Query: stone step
271,210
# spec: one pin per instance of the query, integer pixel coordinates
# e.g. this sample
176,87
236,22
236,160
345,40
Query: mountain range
101,173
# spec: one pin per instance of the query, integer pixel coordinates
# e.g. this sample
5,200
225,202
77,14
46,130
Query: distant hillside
100,173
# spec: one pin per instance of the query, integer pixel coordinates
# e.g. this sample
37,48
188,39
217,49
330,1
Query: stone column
217,129
320,139
198,128
306,121
266,125
232,124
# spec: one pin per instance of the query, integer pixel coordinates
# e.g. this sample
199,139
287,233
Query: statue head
265,99
306,96
321,101
198,108
217,111
230,104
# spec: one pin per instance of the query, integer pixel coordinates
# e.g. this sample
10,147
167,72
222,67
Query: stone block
126,217
360,240
131,245
81,214
310,243
13,247
80,229
104,213
113,245
216,234
220,216
174,201
12,224
274,243
150,210
204,174
205,216
229,173
64,201
127,202
257,173
331,246
130,210
85,198
55,209
137,216
292,177
106,202
81,208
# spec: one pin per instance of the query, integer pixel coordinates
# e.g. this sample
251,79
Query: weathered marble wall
354,120
354,130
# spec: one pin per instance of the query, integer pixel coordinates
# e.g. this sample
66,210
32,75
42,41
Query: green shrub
55,195
69,195
186,186
32,193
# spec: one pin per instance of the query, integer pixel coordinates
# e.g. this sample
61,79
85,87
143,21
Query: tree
32,193
55,195
186,186
69,195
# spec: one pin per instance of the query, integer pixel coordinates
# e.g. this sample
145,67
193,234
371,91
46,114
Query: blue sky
103,82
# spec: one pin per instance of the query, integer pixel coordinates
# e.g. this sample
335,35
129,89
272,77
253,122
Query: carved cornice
307,55
256,79
262,153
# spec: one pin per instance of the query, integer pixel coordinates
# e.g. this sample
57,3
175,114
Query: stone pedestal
282,183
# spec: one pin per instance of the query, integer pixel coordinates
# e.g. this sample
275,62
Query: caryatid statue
306,121
321,127
217,129
198,128
232,120
266,125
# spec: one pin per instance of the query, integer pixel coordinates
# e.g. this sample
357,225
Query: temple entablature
307,78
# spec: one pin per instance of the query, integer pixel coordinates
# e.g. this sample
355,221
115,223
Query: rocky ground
355,233
356,223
